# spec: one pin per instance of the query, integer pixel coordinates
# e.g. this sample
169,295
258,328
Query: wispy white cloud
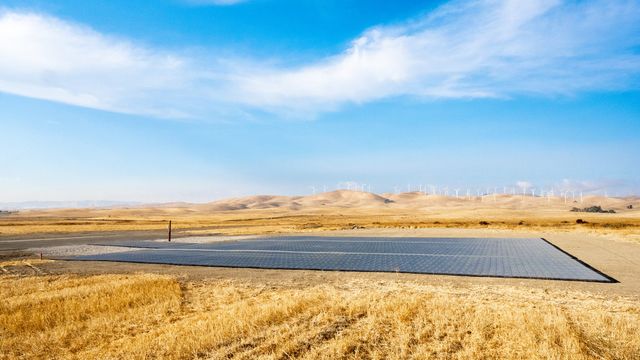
43,57
216,2
465,49
468,49
591,185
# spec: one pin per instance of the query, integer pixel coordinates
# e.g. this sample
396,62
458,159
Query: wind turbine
457,192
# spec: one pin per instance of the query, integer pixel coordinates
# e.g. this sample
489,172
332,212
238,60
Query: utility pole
169,230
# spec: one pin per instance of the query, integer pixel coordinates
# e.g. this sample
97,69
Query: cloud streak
46,58
217,2
470,49
464,49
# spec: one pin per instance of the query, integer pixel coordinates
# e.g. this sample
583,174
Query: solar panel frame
534,258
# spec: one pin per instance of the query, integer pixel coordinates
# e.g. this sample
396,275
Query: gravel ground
76,250
209,239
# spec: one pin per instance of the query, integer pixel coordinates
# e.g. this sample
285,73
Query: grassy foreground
154,316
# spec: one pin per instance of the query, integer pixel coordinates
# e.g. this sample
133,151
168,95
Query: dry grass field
100,313
139,316
337,210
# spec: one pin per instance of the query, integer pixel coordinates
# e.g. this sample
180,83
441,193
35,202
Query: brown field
335,211
57,309
159,316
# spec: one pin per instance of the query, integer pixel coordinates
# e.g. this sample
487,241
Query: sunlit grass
152,316
280,221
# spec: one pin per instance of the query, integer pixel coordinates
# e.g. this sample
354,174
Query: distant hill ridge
348,199
417,200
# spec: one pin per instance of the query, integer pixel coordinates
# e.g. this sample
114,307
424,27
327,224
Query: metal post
169,230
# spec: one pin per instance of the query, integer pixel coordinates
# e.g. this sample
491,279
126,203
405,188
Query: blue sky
200,100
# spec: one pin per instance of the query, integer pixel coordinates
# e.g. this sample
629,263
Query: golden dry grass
143,316
283,221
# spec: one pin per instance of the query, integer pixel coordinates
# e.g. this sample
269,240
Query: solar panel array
524,258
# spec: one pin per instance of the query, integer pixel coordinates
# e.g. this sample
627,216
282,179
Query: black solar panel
525,258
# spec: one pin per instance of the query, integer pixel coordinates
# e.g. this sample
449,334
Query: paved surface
525,258
25,242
